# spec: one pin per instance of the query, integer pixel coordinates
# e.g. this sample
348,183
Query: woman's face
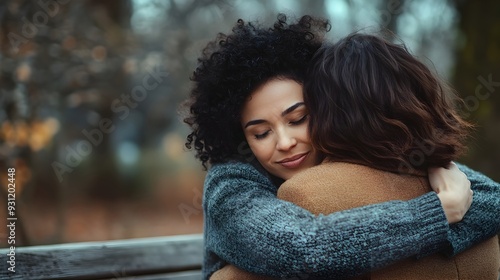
275,120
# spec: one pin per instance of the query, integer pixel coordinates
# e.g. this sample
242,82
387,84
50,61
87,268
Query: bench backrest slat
107,259
190,275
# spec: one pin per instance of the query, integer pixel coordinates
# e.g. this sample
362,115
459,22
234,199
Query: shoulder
233,189
332,171
236,179
325,176
234,170
343,176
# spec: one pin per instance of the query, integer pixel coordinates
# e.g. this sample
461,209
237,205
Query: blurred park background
90,90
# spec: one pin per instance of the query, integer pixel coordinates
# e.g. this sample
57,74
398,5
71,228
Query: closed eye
262,135
300,121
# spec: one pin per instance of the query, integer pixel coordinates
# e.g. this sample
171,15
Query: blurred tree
70,68
477,79
60,71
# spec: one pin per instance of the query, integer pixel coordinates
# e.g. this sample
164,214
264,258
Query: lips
295,161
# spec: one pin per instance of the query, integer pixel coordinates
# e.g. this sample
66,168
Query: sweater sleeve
248,226
482,221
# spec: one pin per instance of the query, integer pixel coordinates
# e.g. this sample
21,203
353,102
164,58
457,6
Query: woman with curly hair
245,223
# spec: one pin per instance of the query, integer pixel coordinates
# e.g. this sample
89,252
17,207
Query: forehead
273,96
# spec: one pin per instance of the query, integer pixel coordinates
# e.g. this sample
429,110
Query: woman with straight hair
382,119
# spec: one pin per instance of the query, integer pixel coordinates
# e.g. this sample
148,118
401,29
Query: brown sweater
338,186
333,187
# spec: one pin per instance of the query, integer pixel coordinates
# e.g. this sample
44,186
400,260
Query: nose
286,141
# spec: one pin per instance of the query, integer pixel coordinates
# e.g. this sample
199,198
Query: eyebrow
284,113
292,108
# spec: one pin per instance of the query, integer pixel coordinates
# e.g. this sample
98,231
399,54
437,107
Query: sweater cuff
433,225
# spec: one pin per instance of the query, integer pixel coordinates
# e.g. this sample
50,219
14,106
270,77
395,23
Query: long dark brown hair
374,103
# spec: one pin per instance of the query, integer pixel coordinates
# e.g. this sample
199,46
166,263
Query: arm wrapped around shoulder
339,186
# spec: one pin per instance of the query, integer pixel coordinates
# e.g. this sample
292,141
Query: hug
333,189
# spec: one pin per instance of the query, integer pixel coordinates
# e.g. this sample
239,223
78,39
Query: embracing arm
246,225
482,221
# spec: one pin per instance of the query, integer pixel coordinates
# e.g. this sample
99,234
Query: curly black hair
233,66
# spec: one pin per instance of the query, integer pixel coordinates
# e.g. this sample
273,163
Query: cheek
262,149
303,134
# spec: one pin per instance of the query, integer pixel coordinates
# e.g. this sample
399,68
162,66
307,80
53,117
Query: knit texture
336,186
246,225
482,221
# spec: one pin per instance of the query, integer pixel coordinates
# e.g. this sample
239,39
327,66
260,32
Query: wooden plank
107,259
189,275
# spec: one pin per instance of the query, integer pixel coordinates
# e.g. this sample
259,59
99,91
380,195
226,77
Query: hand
453,189
229,272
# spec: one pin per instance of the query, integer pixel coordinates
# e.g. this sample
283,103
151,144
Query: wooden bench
173,257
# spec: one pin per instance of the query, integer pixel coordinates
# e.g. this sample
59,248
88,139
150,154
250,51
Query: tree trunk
477,79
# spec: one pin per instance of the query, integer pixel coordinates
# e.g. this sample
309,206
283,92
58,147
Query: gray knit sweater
246,225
